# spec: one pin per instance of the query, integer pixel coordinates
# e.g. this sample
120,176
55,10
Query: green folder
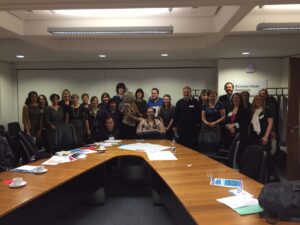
251,209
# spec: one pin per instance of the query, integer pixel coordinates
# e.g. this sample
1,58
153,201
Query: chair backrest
209,138
27,147
65,137
233,150
255,163
7,159
13,128
14,145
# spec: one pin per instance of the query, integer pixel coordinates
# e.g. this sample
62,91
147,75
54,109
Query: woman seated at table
110,130
150,127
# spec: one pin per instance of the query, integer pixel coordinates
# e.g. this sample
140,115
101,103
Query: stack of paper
54,160
25,169
243,205
147,147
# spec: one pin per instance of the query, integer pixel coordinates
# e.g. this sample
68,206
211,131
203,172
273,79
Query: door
293,147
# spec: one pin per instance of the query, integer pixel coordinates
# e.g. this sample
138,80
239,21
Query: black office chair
255,163
13,128
229,157
7,158
30,151
209,139
61,138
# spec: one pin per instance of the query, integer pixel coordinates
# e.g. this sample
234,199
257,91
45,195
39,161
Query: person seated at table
150,125
110,130
114,113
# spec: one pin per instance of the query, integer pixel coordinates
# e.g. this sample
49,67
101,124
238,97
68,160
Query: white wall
8,94
168,79
272,71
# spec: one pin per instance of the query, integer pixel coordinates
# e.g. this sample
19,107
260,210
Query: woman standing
140,102
94,120
114,113
54,117
65,102
31,115
43,103
104,101
150,125
131,116
166,113
76,117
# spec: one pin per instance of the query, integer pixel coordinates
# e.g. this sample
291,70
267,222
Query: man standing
186,118
155,101
225,99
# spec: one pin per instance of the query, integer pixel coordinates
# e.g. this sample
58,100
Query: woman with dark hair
110,130
140,102
131,116
166,113
237,121
85,101
104,101
114,113
76,117
150,125
31,115
54,117
94,120
41,139
54,114
120,89
203,98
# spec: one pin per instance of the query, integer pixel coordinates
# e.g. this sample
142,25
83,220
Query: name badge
262,116
191,106
230,114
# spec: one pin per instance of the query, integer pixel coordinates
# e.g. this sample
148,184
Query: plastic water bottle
173,147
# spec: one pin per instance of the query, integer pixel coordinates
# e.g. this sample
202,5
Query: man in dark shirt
186,118
225,99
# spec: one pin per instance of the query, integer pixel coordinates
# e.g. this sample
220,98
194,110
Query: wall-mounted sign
252,87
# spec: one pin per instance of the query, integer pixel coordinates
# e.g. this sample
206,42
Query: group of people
128,115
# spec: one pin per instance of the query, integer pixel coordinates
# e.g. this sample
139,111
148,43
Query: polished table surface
187,177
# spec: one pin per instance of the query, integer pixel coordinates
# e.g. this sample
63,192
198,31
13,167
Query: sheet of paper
164,155
144,147
25,168
54,160
238,201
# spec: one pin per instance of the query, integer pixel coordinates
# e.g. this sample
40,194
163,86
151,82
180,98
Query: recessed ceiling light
245,53
102,56
20,56
164,55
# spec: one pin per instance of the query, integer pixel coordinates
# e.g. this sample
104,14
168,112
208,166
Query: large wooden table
187,179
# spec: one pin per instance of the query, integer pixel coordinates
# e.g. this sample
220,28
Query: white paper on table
144,147
164,155
112,141
54,160
238,201
25,168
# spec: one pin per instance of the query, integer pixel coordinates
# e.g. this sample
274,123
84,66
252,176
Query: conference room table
183,184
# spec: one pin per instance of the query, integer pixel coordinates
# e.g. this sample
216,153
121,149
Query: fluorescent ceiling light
102,56
20,56
164,54
282,7
278,27
107,31
112,12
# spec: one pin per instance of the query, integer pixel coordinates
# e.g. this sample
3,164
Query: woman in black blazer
237,121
